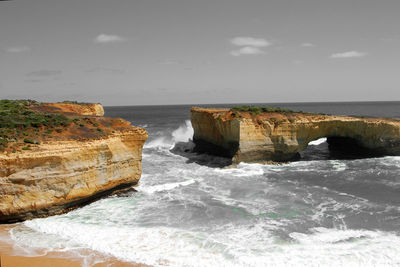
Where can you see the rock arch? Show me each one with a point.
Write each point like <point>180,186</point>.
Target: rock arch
<point>281,136</point>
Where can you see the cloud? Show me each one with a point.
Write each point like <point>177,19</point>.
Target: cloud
<point>169,61</point>
<point>349,54</point>
<point>247,50</point>
<point>34,80</point>
<point>248,46</point>
<point>44,73</point>
<point>308,45</point>
<point>250,41</point>
<point>106,38</point>
<point>107,70</point>
<point>18,49</point>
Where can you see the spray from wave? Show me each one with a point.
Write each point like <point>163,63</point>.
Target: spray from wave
<point>317,212</point>
<point>183,134</point>
<point>318,141</point>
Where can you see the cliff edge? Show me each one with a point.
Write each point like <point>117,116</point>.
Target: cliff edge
<point>264,135</point>
<point>51,161</point>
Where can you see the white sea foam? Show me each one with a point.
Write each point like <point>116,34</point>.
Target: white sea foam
<point>163,187</point>
<point>231,245</point>
<point>159,142</point>
<point>317,142</point>
<point>244,169</point>
<point>338,165</point>
<point>183,133</point>
<point>187,214</point>
<point>154,246</point>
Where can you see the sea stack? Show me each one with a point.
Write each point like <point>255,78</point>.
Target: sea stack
<point>57,156</point>
<point>252,134</point>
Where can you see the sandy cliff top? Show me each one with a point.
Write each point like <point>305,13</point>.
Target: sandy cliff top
<point>24,125</point>
<point>227,114</point>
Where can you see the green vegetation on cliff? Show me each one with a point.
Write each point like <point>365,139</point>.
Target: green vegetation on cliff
<point>17,121</point>
<point>28,121</point>
<point>15,114</point>
<point>259,110</point>
<point>75,102</point>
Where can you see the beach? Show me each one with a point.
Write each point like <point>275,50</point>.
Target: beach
<point>186,210</point>
<point>12,255</point>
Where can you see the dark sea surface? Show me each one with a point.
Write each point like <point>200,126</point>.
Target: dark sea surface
<point>316,211</point>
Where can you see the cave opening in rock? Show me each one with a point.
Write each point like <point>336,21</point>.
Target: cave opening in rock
<point>336,147</point>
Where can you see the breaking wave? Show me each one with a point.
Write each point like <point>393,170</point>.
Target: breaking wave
<point>188,211</point>
<point>183,134</point>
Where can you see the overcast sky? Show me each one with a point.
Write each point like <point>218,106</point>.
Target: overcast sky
<point>136,52</point>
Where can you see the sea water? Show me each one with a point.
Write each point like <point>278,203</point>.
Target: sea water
<point>190,211</point>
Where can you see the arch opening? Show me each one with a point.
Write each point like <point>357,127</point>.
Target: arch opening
<point>337,147</point>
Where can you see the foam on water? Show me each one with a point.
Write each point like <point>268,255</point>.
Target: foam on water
<point>163,187</point>
<point>230,245</point>
<point>305,213</point>
<point>184,133</point>
<point>244,169</point>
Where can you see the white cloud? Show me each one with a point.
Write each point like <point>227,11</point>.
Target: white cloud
<point>106,38</point>
<point>248,46</point>
<point>308,45</point>
<point>18,49</point>
<point>247,50</point>
<point>44,73</point>
<point>105,70</point>
<point>349,54</point>
<point>250,41</point>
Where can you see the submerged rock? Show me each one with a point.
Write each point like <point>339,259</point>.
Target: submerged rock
<point>247,136</point>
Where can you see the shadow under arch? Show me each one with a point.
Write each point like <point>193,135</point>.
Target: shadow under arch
<point>187,150</point>
<point>326,148</point>
<point>337,147</point>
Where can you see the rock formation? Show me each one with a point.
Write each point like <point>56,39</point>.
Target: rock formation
<point>84,109</point>
<point>280,136</point>
<point>72,166</point>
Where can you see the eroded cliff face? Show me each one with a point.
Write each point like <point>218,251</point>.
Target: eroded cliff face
<point>69,108</point>
<point>277,136</point>
<point>70,169</point>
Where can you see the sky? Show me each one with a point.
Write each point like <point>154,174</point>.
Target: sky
<point>152,52</point>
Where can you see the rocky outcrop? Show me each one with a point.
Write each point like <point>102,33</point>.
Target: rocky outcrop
<point>69,170</point>
<point>279,136</point>
<point>84,109</point>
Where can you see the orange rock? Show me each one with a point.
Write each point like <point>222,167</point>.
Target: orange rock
<point>279,136</point>
<point>57,175</point>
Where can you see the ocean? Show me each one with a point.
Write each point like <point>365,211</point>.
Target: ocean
<point>188,211</point>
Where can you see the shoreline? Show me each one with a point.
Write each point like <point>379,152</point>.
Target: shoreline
<point>12,255</point>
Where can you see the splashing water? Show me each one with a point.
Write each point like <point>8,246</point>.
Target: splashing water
<point>183,134</point>
<point>307,213</point>
<point>318,141</point>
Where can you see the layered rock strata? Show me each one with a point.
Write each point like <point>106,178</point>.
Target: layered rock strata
<point>280,136</point>
<point>85,109</point>
<point>70,169</point>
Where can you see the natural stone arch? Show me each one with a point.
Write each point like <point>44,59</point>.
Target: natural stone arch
<point>281,136</point>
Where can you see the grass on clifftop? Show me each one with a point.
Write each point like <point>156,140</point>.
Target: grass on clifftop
<point>259,110</point>
<point>75,102</point>
<point>15,114</point>
<point>17,121</point>
<point>20,124</point>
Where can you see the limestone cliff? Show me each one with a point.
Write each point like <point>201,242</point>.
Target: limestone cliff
<point>279,136</point>
<point>69,167</point>
<point>84,109</point>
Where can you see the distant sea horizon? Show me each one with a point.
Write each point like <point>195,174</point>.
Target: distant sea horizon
<point>256,103</point>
